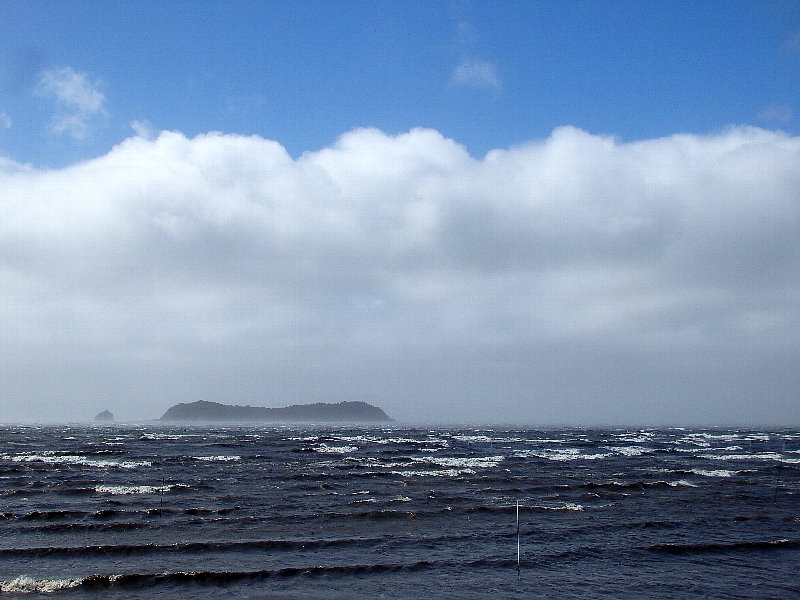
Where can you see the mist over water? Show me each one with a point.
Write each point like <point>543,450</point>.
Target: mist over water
<point>256,511</point>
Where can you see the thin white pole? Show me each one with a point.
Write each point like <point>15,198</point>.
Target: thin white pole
<point>517,539</point>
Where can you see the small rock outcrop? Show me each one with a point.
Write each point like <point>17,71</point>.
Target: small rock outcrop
<point>105,417</point>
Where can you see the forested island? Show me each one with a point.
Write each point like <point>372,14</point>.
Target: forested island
<point>320,412</point>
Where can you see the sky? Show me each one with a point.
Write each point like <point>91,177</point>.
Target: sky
<point>535,213</point>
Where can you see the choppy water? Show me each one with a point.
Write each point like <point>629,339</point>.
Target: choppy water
<point>241,512</point>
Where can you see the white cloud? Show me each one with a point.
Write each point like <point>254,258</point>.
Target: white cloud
<point>143,129</point>
<point>5,121</point>
<point>793,42</point>
<point>79,100</point>
<point>545,277</point>
<point>475,73</point>
<point>776,112</point>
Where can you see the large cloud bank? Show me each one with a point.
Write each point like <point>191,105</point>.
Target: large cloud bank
<point>574,279</point>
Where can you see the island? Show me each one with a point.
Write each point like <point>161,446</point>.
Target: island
<point>320,412</point>
<point>105,417</point>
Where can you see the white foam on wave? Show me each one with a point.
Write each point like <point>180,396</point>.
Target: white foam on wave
<point>483,462</point>
<point>363,500</point>
<point>437,473</point>
<point>452,466</point>
<point>27,585</point>
<point>164,436</point>
<point>369,461</point>
<point>628,450</point>
<point>713,473</point>
<point>371,439</point>
<point>71,459</point>
<point>760,437</point>
<point>560,454</point>
<point>429,441</point>
<point>635,438</point>
<point>217,458</point>
<point>705,439</point>
<point>362,439</point>
<point>119,490</point>
<point>681,483</point>
<point>567,506</point>
<point>748,456</point>
<point>325,449</point>
<point>473,438</point>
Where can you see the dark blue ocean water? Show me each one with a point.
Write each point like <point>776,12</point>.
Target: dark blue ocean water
<point>300,512</point>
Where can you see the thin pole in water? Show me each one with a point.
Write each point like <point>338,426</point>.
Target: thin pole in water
<point>517,539</point>
<point>778,478</point>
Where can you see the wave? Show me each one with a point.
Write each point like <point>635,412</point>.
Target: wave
<point>636,485</point>
<point>117,490</point>
<point>511,507</point>
<point>713,472</point>
<point>748,456</point>
<point>25,584</point>
<point>782,544</point>
<point>129,581</point>
<point>326,449</point>
<point>560,454</point>
<point>72,459</point>
<point>424,466</point>
<point>482,462</point>
<point>52,515</point>
<point>187,548</point>
<point>57,527</point>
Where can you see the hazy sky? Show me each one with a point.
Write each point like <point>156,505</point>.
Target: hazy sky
<point>490,212</point>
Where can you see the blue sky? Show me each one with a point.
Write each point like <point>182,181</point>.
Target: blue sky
<point>475,212</point>
<point>304,73</point>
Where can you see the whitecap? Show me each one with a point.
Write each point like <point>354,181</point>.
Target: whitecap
<point>439,473</point>
<point>628,450</point>
<point>749,456</point>
<point>567,506</point>
<point>69,459</point>
<point>217,458</point>
<point>560,454</point>
<point>472,438</point>
<point>325,449</point>
<point>165,436</point>
<point>27,585</point>
<point>118,490</point>
<point>714,473</point>
<point>483,462</point>
<point>377,463</point>
<point>635,438</point>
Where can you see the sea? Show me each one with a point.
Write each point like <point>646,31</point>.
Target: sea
<point>157,511</point>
